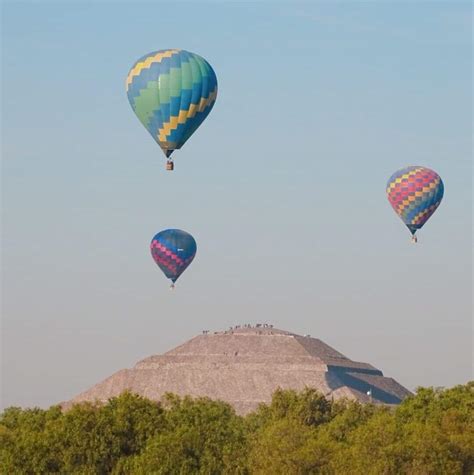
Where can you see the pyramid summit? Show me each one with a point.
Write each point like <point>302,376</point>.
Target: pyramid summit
<point>244,365</point>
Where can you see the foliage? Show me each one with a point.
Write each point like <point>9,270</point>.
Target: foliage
<point>201,436</point>
<point>431,432</point>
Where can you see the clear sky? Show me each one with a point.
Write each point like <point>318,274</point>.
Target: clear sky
<point>283,186</point>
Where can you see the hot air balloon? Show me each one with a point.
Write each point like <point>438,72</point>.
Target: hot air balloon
<point>173,250</point>
<point>171,91</point>
<point>415,193</point>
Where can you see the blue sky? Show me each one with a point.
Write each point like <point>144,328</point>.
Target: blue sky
<point>283,186</point>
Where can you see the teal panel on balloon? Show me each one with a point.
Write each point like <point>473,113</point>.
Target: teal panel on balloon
<point>171,92</point>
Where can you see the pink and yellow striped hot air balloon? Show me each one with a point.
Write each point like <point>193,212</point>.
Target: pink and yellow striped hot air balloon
<point>415,193</point>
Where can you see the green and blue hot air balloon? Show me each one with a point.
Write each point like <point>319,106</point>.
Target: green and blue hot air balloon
<point>171,91</point>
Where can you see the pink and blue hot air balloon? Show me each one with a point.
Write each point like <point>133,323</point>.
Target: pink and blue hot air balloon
<point>173,250</point>
<point>415,193</point>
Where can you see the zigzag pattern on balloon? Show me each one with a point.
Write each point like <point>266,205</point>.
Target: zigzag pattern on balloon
<point>146,62</point>
<point>165,133</point>
<point>162,262</point>
<point>415,193</point>
<point>157,247</point>
<point>173,250</point>
<point>421,218</point>
<point>168,261</point>
<point>171,92</point>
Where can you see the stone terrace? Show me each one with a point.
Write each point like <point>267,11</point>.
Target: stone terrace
<point>244,365</point>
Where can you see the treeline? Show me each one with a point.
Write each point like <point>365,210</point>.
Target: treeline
<point>297,433</point>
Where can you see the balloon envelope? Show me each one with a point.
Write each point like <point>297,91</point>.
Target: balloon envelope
<point>415,193</point>
<point>171,92</point>
<point>173,250</point>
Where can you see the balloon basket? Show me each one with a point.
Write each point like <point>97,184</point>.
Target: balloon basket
<point>172,287</point>
<point>170,165</point>
<point>414,239</point>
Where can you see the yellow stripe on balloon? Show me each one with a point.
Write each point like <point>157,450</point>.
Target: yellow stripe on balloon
<point>184,115</point>
<point>137,69</point>
<point>206,102</point>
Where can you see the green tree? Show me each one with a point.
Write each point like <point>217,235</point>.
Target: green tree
<point>202,436</point>
<point>96,437</point>
<point>288,446</point>
<point>309,407</point>
<point>298,433</point>
<point>30,441</point>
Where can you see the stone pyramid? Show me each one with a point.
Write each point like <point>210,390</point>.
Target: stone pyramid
<point>245,365</point>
